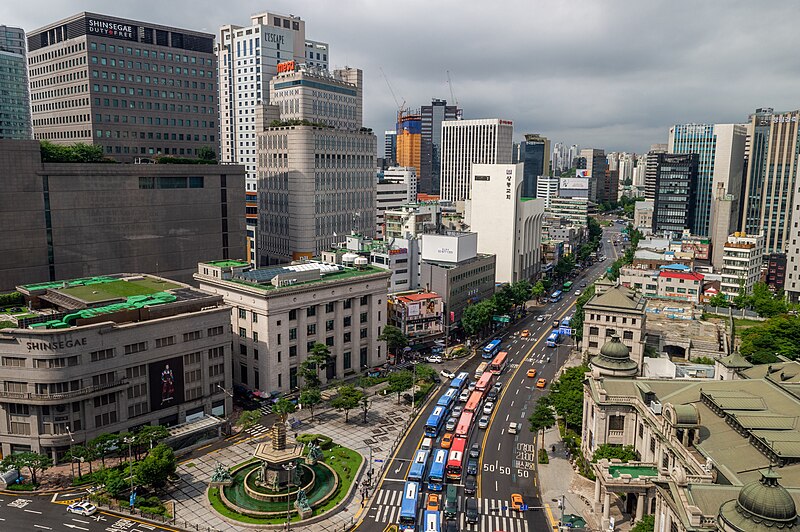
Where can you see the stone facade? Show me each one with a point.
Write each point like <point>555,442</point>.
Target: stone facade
<point>615,310</point>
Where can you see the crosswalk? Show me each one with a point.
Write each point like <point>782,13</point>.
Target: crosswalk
<point>257,430</point>
<point>266,409</point>
<point>492,516</point>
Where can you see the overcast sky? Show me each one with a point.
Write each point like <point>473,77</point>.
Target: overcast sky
<point>604,74</point>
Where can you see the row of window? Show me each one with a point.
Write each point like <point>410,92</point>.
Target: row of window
<point>138,91</point>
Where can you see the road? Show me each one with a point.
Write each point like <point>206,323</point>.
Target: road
<point>42,513</point>
<point>507,461</point>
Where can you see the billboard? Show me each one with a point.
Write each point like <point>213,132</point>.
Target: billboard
<point>449,248</point>
<point>574,183</point>
<point>165,379</point>
<point>580,172</point>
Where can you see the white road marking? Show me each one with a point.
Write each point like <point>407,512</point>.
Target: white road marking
<point>498,446</point>
<point>79,521</point>
<point>42,526</point>
<point>32,511</point>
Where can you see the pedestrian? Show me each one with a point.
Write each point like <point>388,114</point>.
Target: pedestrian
<point>362,501</point>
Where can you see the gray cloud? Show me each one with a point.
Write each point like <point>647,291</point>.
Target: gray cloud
<point>610,74</point>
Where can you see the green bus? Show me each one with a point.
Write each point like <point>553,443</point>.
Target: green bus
<point>567,286</point>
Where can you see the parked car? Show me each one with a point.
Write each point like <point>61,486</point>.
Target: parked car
<point>447,374</point>
<point>488,407</point>
<point>82,508</point>
<point>472,466</point>
<point>475,450</point>
<point>483,422</point>
<point>513,427</point>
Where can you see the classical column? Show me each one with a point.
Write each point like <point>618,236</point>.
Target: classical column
<point>606,507</point>
<point>597,490</point>
<point>640,502</point>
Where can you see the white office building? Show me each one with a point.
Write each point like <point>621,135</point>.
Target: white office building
<point>508,225</point>
<point>742,258</point>
<point>546,189</point>
<point>468,142</point>
<point>397,187</point>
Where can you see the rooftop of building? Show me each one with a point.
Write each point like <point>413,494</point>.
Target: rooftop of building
<point>120,298</point>
<point>424,296</point>
<point>689,276</point>
<point>617,299</point>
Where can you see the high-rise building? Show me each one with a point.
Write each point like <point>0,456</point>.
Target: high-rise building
<point>70,220</point>
<point>743,255</point>
<point>468,142</point>
<point>546,189</point>
<point>409,139</point>
<point>431,148</point>
<point>650,168</point>
<point>534,153</point>
<point>15,113</point>
<point>315,181</point>
<point>396,188</point>
<point>720,148</point>
<point>248,58</point>
<point>166,103</point>
<point>596,166</point>
<point>573,153</point>
<point>675,190</point>
<point>390,148</point>
<point>771,183</point>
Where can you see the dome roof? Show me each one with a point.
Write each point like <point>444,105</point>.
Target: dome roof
<point>761,503</point>
<point>615,349</point>
<point>614,359</point>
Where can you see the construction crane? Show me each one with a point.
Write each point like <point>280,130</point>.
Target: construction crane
<point>453,94</point>
<point>400,106</point>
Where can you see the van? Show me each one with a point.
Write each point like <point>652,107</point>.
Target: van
<point>427,444</point>
<point>471,510</point>
<point>451,502</point>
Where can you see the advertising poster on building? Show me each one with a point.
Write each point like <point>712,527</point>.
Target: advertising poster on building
<point>580,172</point>
<point>166,383</point>
<point>574,183</point>
<point>413,310</point>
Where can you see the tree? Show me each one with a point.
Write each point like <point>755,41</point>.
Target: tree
<point>741,300</point>
<point>400,381</point>
<point>35,463</point>
<point>394,338</point>
<point>607,451</point>
<point>309,398</point>
<point>542,417</point>
<point>115,482</point>
<point>366,404</point>
<point>282,408</point>
<point>566,395</point>
<point>425,372</point>
<point>318,358</point>
<point>578,316</point>
<point>148,436</point>
<point>75,153</point>
<point>248,419</point>
<point>719,300</point>
<point>80,454</point>
<point>104,445</point>
<point>646,524</point>
<point>762,343</point>
<point>521,292</point>
<point>156,467</point>
<point>595,230</point>
<point>538,290</point>
<point>206,153</point>
<point>347,398</point>
<point>766,303</point>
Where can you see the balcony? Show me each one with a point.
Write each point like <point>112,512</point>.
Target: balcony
<point>44,398</point>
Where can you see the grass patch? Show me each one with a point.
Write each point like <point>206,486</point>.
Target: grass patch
<point>6,324</point>
<point>117,289</point>
<point>543,458</point>
<point>739,323</point>
<point>22,487</point>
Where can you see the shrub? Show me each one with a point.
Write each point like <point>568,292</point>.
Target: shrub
<point>324,442</point>
<point>11,298</point>
<point>543,458</point>
<point>22,487</point>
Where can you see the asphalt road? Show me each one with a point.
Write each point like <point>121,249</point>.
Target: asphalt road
<point>507,462</point>
<point>42,513</point>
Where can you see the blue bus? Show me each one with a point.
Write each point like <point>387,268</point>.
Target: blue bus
<point>436,474</point>
<point>409,506</point>
<point>435,421</point>
<point>555,296</point>
<point>566,321</point>
<point>460,382</point>
<point>448,398</point>
<point>418,466</point>
<point>552,340</point>
<point>491,349</point>
<point>431,521</point>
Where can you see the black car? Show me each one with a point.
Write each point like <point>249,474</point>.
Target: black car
<point>471,509</point>
<point>470,485</point>
<point>475,450</point>
<point>492,395</point>
<point>450,526</point>
<point>472,466</point>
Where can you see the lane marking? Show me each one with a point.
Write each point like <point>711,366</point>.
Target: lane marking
<point>32,511</point>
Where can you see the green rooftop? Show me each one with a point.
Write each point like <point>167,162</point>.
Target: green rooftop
<point>227,263</point>
<point>341,275</point>
<point>633,471</point>
<point>92,293</point>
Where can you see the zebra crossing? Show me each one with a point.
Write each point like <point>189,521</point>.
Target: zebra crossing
<point>257,430</point>
<point>386,510</point>
<point>266,409</point>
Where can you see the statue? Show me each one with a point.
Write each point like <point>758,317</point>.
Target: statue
<point>221,474</point>
<point>314,454</point>
<point>302,505</point>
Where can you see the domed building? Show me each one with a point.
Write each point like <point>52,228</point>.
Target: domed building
<point>614,360</point>
<point>762,505</point>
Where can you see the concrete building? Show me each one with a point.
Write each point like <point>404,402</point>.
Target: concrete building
<point>682,286</point>
<point>409,139</point>
<point>413,220</point>
<point>547,189</point>
<point>534,154</point>
<point>390,148</point>
<point>771,180</point>
<point>508,224</point>
<point>643,216</point>
<point>89,361</point>
<point>775,271</point>
<point>397,187</point>
<point>724,221</point>
<point>468,142</point>
<point>419,315</point>
<point>651,168</point>
<point>452,267</point>
<point>15,117</point>
<point>614,311</point>
<point>720,149</point>
<point>573,153</point>
<point>70,220</point>
<point>431,148</point>
<point>742,258</point>
<point>596,166</point>
<point>573,210</point>
<point>579,186</point>
<point>675,191</point>
<point>279,313</point>
<point>165,105</point>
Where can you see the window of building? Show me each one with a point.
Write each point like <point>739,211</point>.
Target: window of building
<point>215,331</point>
<point>363,317</point>
<point>293,314</point>
<point>363,333</point>
<point>346,321</point>
<point>243,374</point>
<point>329,325</point>
<point>347,337</point>
<point>293,333</point>
<point>216,352</point>
<point>14,362</point>
<point>346,358</point>
<point>364,300</point>
<point>242,332</point>
<point>363,357</point>
<point>329,307</point>
<point>292,350</point>
<point>594,331</point>
<point>192,358</point>
<point>138,347</point>
<point>107,418</point>
<point>311,311</point>
<point>616,423</point>
<point>627,335</point>
<point>242,314</point>
<point>163,342</point>
<point>311,329</point>
<point>348,303</point>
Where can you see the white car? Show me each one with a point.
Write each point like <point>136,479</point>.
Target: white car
<point>513,427</point>
<point>82,508</point>
<point>483,422</point>
<point>577,292</point>
<point>434,359</point>
<point>447,374</point>
<point>540,319</point>
<point>472,385</point>
<point>457,410</point>
<point>488,407</point>
<point>464,397</point>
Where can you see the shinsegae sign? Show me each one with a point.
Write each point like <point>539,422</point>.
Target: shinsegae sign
<point>115,30</point>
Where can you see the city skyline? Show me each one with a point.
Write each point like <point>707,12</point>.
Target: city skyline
<point>595,84</point>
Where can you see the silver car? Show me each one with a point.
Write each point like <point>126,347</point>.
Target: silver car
<point>451,424</point>
<point>483,422</point>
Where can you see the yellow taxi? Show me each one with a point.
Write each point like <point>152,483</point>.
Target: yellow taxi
<point>532,373</point>
<point>525,333</point>
<point>432,504</point>
<point>541,383</point>
<point>447,440</point>
<point>516,502</point>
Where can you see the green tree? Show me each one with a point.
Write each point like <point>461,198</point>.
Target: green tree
<point>400,381</point>
<point>394,338</point>
<point>595,230</point>
<point>149,436</point>
<point>35,463</point>
<point>248,419</point>
<point>542,417</point>
<point>521,292</point>
<point>346,399</point>
<point>767,304</point>
<point>104,445</point>
<point>282,408</point>
<point>425,373</point>
<point>566,396</point>
<point>578,316</point>
<point>75,153</point>
<point>156,467</point>
<point>564,266</point>
<point>309,398</point>
<point>318,358</point>
<point>366,404</point>
<point>115,483</point>
<point>646,524</point>
<point>538,290</point>
<point>762,344</point>
<point>741,300</point>
<point>80,454</point>
<point>719,300</point>
<point>607,451</point>
<point>206,153</point>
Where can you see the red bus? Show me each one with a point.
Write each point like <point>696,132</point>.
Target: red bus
<point>455,460</point>
<point>499,363</point>
<point>464,425</point>
<point>485,382</point>
<point>474,402</point>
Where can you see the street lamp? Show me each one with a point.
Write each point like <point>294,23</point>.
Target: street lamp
<point>290,467</point>
<point>129,441</point>
<point>71,458</point>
